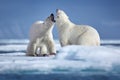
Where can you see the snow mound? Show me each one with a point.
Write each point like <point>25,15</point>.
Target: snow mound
<point>69,59</point>
<point>95,56</point>
<point>88,52</point>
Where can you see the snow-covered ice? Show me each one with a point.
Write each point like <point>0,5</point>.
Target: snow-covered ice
<point>70,59</point>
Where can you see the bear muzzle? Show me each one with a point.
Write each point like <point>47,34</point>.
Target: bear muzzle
<point>52,17</point>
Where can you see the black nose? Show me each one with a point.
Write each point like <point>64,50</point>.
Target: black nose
<point>52,17</point>
<point>52,14</point>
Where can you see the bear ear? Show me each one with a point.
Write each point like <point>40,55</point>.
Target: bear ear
<point>57,10</point>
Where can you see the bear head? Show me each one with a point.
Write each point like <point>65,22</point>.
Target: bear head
<point>61,16</point>
<point>50,20</point>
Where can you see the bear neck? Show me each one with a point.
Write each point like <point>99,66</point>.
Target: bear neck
<point>48,28</point>
<point>65,22</point>
<point>64,27</point>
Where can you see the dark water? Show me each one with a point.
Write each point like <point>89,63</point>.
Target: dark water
<point>58,77</point>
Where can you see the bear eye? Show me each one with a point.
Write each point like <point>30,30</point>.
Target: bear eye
<point>57,16</point>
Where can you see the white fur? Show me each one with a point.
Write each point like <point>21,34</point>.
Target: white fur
<point>41,38</point>
<point>72,34</point>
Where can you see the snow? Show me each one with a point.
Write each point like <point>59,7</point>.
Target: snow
<point>69,59</point>
<point>92,57</point>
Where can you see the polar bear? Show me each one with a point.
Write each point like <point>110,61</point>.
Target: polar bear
<point>72,34</point>
<point>41,38</point>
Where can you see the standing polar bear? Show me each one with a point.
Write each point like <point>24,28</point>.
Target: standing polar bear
<point>72,34</point>
<point>41,38</point>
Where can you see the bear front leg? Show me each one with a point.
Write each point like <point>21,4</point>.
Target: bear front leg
<point>51,47</point>
<point>30,49</point>
<point>36,50</point>
<point>43,51</point>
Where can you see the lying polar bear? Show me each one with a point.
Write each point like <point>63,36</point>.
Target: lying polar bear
<point>41,38</point>
<point>72,34</point>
